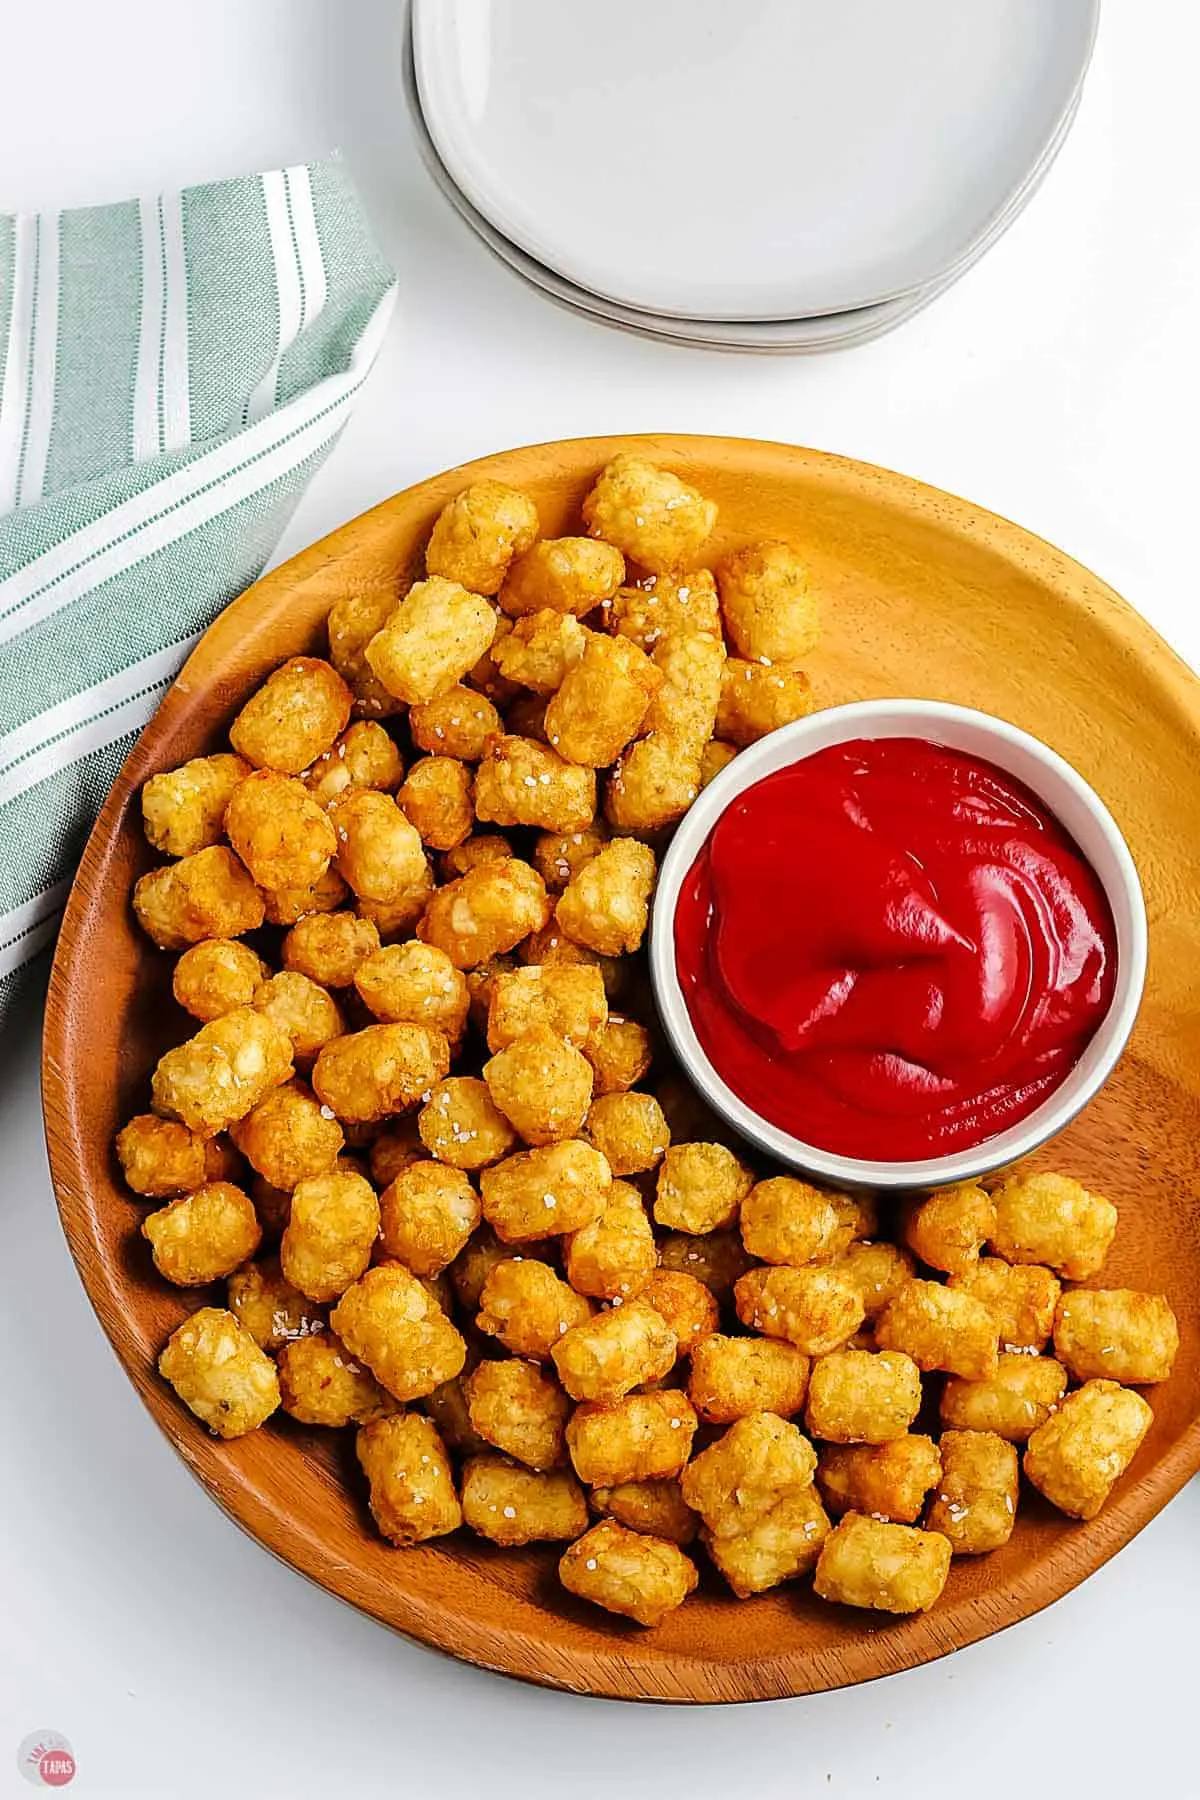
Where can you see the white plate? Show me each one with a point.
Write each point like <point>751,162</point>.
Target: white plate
<point>747,159</point>
<point>792,336</point>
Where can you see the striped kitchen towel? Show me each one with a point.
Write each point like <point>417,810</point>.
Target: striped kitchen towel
<point>173,371</point>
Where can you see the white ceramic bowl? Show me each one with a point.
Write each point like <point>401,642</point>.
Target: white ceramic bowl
<point>1078,809</point>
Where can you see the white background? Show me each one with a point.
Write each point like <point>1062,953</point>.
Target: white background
<point>1057,384</point>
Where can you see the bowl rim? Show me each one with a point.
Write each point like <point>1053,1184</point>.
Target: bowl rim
<point>901,717</point>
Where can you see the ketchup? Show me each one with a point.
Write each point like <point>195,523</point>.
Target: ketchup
<point>892,950</point>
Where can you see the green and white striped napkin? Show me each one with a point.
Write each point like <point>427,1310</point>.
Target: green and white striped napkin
<point>173,371</point>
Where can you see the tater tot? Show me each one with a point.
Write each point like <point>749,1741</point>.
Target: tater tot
<point>666,605</point>
<point>602,702</point>
<point>353,621</point>
<point>458,722</point>
<point>379,852</point>
<point>526,1307</point>
<point>329,1235</point>
<point>539,650</point>
<point>220,1373</point>
<point>380,1070</point>
<point>511,1505</point>
<point>321,1384</point>
<point>486,913</point>
<point>310,1016</point>
<point>269,1307</point>
<point>620,1052</point>
<point>737,1481</point>
<point>184,810</point>
<point>471,1268</point>
<point>551,948</point>
<point>686,1304</point>
<point>566,575</point>
<point>284,906</point>
<point>1020,1396</point>
<point>160,1158</point>
<point>568,1001</point>
<point>700,1188</point>
<point>364,756</point>
<point>218,1075</point>
<point>396,920</point>
<point>878,1271</point>
<point>480,847</point>
<point>656,780</point>
<point>559,855</point>
<point>281,834</point>
<point>643,1437</point>
<point>414,984</point>
<point>816,1309</point>
<point>396,1148</point>
<point>940,1328</point>
<point>436,798</point>
<point>732,1377</point>
<point>1112,1332</point>
<point>713,758</point>
<point>223,1161</point>
<point>520,1409</point>
<point>477,534</point>
<point>656,1508</point>
<point>975,1500</point>
<point>544,1192</point>
<point>203,1235</point>
<point>525,716</point>
<point>862,1396</point>
<point>520,782</point>
<point>1053,1220</point>
<point>460,1124</point>
<point>296,714</point>
<point>888,1480</point>
<point>480,983</point>
<point>651,786</point>
<point>484,677</point>
<point>782,1546</point>
<point>949,1229</point>
<point>643,1578</point>
<point>542,1085</point>
<point>426,1216</point>
<point>649,513</point>
<point>606,1356</point>
<point>288,1137</point>
<point>1021,1298</point>
<point>606,905</point>
<point>1076,1457</point>
<point>447,1407</point>
<point>718,1259</point>
<point>785,1220</point>
<point>769,608</point>
<point>614,1257</point>
<point>208,895</point>
<point>886,1568</point>
<point>411,1483</point>
<point>328,947</point>
<point>435,636</point>
<point>757,698</point>
<point>630,1130</point>
<point>389,1320</point>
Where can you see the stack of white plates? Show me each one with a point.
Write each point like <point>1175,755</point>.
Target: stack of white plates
<point>745,174</point>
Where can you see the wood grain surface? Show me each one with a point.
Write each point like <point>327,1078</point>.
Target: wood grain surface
<point>924,596</point>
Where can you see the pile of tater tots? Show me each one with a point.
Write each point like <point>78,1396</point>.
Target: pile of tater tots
<point>460,1201</point>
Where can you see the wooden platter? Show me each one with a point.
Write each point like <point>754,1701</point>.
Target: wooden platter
<point>926,596</point>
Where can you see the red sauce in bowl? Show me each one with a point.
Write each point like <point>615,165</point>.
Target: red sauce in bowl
<point>892,950</point>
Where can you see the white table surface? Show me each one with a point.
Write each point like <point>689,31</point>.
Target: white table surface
<point>1058,384</point>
